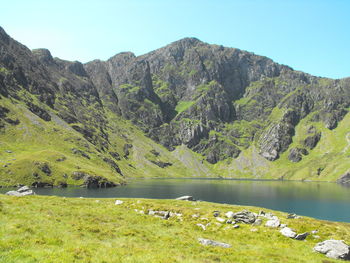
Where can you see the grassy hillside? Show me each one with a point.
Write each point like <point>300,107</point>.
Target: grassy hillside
<point>55,229</point>
<point>326,162</point>
<point>33,144</point>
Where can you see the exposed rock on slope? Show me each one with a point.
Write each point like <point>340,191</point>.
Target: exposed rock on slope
<point>219,102</point>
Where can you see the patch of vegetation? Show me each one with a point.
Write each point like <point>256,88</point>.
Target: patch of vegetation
<point>183,106</point>
<point>55,229</point>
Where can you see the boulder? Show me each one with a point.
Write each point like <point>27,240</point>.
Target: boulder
<point>229,214</point>
<point>23,191</point>
<point>336,249</point>
<point>301,236</point>
<point>286,231</point>
<point>186,198</point>
<point>118,202</point>
<point>273,223</point>
<point>244,217</point>
<point>208,242</point>
<point>257,222</point>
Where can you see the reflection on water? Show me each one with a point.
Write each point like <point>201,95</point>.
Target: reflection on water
<point>320,200</point>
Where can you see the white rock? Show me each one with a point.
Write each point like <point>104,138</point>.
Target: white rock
<point>333,249</point>
<point>118,202</point>
<point>186,198</point>
<point>273,223</point>
<point>208,242</point>
<point>220,219</point>
<point>286,231</point>
<point>23,189</point>
<point>229,214</point>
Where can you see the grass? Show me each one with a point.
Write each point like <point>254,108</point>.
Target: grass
<point>56,229</point>
<point>183,105</point>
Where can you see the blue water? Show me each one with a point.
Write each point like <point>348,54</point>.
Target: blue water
<point>327,201</point>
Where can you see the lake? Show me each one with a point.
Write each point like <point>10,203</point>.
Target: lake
<point>327,201</point>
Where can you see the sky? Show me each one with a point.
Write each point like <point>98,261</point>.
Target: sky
<point>309,35</point>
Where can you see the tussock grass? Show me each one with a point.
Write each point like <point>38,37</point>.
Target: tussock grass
<point>56,229</point>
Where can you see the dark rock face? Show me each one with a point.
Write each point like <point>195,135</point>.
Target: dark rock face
<point>113,165</point>
<point>126,148</point>
<point>296,154</point>
<point>97,182</point>
<point>311,141</point>
<point>39,111</point>
<point>91,181</point>
<point>344,179</point>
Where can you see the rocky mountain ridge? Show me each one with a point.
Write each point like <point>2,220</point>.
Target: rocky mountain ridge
<point>225,106</point>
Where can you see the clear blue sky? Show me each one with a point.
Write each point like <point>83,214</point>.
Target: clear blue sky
<point>308,35</point>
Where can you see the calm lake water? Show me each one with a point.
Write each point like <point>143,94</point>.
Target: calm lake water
<point>327,201</point>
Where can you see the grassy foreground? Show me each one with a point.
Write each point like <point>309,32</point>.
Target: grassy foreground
<point>56,229</point>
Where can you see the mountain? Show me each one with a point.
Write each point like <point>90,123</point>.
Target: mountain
<point>187,109</point>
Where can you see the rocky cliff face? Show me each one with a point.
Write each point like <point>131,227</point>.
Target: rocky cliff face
<point>217,101</point>
<point>192,93</point>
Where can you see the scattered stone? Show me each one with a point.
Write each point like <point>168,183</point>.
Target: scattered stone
<point>244,217</point>
<point>316,237</point>
<point>220,219</point>
<point>336,249</point>
<point>301,236</point>
<point>283,225</point>
<point>195,216</point>
<point>314,231</point>
<point>216,213</point>
<point>257,222</point>
<point>253,229</point>
<point>235,226</point>
<point>118,202</point>
<point>208,242</point>
<point>292,216</point>
<point>229,221</point>
<point>23,191</point>
<point>8,151</point>
<point>186,198</point>
<point>288,232</point>
<point>229,214</point>
<point>273,223</point>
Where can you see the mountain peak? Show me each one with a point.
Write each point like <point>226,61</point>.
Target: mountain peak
<point>43,54</point>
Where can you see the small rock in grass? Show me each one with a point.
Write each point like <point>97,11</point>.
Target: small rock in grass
<point>208,242</point>
<point>235,226</point>
<point>253,229</point>
<point>118,202</point>
<point>186,198</point>
<point>301,236</point>
<point>221,220</point>
<point>216,213</point>
<point>273,223</point>
<point>292,216</point>
<point>286,231</point>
